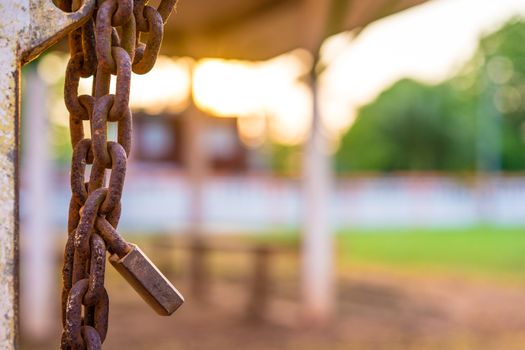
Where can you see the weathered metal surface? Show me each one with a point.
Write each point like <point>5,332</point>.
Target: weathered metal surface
<point>46,24</point>
<point>25,31</point>
<point>97,49</point>
<point>148,281</point>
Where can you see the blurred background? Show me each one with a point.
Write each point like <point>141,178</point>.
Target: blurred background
<point>310,174</point>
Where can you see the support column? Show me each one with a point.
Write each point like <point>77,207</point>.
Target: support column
<point>9,108</point>
<point>317,251</point>
<point>317,246</point>
<point>27,28</point>
<point>12,26</point>
<point>195,163</point>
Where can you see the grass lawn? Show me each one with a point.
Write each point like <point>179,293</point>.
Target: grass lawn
<point>485,251</point>
<point>480,250</point>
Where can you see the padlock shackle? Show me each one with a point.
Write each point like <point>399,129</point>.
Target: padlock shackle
<point>116,244</point>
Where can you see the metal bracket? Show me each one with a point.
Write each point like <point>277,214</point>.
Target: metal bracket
<point>27,28</point>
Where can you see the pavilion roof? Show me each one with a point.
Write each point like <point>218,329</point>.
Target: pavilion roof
<point>261,29</point>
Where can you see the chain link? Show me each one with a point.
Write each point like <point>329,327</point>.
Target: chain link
<point>108,44</point>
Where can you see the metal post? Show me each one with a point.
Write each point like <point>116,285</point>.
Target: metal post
<point>9,107</point>
<point>27,28</point>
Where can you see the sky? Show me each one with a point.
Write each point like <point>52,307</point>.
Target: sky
<point>429,42</point>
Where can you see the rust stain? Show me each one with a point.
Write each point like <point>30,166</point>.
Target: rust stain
<point>27,28</point>
<point>40,35</point>
<point>9,29</point>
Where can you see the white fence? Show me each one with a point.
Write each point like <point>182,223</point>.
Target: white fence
<point>158,202</point>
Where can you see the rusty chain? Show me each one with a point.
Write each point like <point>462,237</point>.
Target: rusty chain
<point>108,44</point>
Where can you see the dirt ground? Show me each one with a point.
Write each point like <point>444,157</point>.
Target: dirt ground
<point>376,310</point>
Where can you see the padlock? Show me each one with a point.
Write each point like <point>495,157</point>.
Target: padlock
<point>148,281</point>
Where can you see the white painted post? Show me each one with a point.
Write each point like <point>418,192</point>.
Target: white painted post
<point>38,281</point>
<point>317,250</point>
<point>195,162</point>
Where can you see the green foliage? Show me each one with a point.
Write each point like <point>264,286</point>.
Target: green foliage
<point>474,120</point>
<point>59,131</point>
<point>284,159</point>
<point>409,127</point>
<point>61,144</point>
<point>503,76</point>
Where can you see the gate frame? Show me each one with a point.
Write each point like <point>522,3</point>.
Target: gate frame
<point>27,28</point>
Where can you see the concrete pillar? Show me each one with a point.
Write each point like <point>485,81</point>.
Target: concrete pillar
<point>317,251</point>
<point>195,163</point>
<point>317,246</point>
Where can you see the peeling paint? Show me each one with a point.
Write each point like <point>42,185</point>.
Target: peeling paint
<point>40,35</point>
<point>27,28</point>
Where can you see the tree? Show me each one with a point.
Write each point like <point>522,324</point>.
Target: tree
<point>410,126</point>
<point>474,120</point>
<point>499,68</point>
